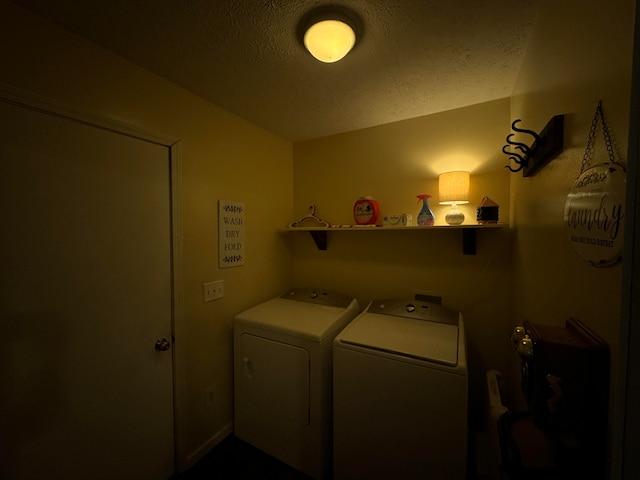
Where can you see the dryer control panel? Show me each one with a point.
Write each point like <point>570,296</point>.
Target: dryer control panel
<point>318,296</point>
<point>415,309</point>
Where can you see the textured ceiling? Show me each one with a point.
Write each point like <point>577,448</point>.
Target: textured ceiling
<point>412,58</point>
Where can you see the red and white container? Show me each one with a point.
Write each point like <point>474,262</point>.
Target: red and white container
<point>366,211</point>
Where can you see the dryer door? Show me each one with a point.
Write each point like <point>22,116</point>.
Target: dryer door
<point>274,379</point>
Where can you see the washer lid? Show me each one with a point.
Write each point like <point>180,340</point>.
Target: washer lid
<point>304,319</point>
<point>409,337</point>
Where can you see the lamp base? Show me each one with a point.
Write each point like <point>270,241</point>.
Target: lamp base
<point>454,216</point>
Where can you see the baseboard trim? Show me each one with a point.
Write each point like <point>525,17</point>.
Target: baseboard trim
<point>209,445</point>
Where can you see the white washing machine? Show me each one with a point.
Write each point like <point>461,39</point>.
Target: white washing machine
<point>400,393</point>
<point>283,375</point>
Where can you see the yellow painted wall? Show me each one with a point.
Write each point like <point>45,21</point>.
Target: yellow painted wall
<point>580,52</point>
<point>393,163</point>
<point>223,157</point>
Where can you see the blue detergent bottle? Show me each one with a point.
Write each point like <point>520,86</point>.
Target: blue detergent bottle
<point>425,217</point>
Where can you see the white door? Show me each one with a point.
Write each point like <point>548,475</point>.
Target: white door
<point>85,292</point>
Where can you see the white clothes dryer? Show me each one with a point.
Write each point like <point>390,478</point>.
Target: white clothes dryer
<point>400,393</point>
<point>283,375</point>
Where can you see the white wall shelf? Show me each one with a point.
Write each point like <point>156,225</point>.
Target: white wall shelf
<point>320,234</point>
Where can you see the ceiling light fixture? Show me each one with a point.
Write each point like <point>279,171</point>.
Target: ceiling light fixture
<point>329,38</point>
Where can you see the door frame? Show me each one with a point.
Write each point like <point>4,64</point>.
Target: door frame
<point>626,422</point>
<point>21,98</point>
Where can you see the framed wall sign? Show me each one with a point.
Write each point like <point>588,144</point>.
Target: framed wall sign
<point>594,213</point>
<point>230,234</point>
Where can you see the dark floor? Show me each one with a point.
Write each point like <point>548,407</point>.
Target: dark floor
<point>235,459</point>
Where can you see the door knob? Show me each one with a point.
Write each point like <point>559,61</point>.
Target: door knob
<point>162,345</point>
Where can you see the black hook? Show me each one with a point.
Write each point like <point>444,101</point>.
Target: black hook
<point>514,170</point>
<point>519,159</point>
<point>546,146</point>
<point>525,149</point>
<point>522,130</point>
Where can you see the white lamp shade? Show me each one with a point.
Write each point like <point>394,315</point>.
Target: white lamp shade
<point>453,188</point>
<point>329,40</point>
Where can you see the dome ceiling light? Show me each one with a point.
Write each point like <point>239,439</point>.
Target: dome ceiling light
<point>329,37</point>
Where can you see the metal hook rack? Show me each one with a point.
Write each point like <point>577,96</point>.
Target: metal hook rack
<point>546,146</point>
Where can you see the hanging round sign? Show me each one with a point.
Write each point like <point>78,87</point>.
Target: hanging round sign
<point>594,213</point>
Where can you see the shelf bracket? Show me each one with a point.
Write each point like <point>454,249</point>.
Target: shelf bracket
<point>320,238</point>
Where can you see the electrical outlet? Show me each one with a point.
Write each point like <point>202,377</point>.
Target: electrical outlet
<point>213,290</point>
<point>210,395</point>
